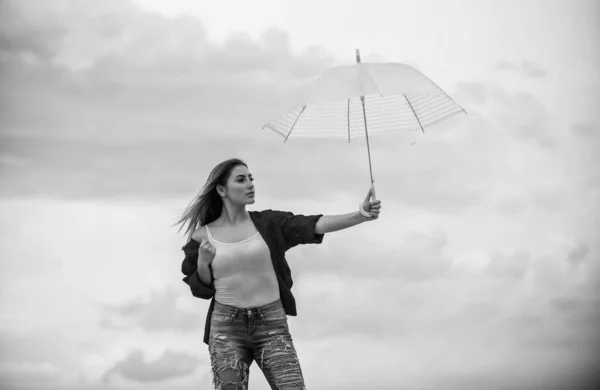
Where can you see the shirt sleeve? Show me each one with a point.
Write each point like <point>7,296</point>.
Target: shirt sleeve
<point>190,269</point>
<point>298,229</point>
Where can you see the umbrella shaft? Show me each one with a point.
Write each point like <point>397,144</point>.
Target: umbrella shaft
<point>362,100</point>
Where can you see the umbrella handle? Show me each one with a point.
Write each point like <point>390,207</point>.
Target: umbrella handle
<point>373,196</point>
<point>360,205</point>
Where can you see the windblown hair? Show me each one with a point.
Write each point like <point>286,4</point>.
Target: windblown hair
<point>207,206</point>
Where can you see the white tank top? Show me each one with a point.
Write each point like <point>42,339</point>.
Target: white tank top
<point>243,272</point>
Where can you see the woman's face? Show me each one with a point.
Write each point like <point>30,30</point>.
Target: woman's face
<point>239,188</point>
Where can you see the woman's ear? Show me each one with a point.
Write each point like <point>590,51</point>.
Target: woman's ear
<point>220,190</point>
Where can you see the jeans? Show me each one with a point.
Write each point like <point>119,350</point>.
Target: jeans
<point>240,336</point>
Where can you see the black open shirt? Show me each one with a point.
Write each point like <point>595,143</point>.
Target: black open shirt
<point>281,230</point>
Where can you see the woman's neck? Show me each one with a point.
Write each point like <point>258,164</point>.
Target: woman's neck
<point>233,215</point>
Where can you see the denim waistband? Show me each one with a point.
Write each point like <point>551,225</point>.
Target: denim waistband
<point>228,310</point>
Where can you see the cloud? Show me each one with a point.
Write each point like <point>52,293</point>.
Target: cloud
<point>582,378</point>
<point>587,130</point>
<point>148,65</point>
<point>153,97</point>
<point>419,261</point>
<point>169,365</point>
<point>508,267</point>
<point>155,105</point>
<point>103,100</point>
<point>511,206</point>
<point>35,375</point>
<point>532,70</point>
<point>423,291</point>
<point>34,358</point>
<point>578,254</point>
<point>520,113</point>
<point>525,116</point>
<point>39,266</point>
<point>25,31</point>
<point>566,304</point>
<point>160,312</point>
<point>472,93</point>
<point>525,68</point>
<point>415,256</point>
<point>335,281</point>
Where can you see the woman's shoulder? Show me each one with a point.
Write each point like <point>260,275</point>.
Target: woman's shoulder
<point>199,234</point>
<point>271,213</point>
<point>271,217</point>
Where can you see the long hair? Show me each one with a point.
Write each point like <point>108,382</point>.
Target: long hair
<point>207,206</point>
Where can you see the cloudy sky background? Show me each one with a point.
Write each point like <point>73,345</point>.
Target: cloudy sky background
<point>482,272</point>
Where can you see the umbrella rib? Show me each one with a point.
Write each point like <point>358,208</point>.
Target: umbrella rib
<point>426,115</point>
<point>294,125</point>
<point>433,104</point>
<point>446,116</point>
<point>275,129</point>
<point>348,120</point>
<point>444,92</point>
<point>413,110</point>
<point>441,113</point>
<point>374,83</point>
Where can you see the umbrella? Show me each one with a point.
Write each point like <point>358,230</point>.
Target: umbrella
<point>365,99</point>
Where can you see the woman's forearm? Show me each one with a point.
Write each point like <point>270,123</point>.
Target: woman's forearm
<point>204,274</point>
<point>332,223</point>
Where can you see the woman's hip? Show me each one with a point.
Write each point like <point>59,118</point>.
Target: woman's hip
<point>251,322</point>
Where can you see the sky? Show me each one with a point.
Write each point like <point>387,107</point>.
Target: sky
<point>483,270</point>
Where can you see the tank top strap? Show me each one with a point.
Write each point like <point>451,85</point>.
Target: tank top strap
<point>210,237</point>
<point>214,241</point>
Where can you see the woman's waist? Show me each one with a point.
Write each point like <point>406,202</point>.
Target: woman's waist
<point>224,309</point>
<point>244,280</point>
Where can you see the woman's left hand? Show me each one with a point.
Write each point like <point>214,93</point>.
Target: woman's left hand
<point>373,207</point>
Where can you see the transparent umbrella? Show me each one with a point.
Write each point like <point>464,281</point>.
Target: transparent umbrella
<point>365,99</point>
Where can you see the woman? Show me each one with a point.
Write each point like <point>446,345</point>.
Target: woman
<point>236,258</point>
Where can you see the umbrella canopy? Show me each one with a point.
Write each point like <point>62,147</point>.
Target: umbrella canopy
<point>397,97</point>
<point>365,99</point>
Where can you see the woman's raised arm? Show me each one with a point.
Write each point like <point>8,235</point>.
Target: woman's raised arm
<point>332,223</point>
